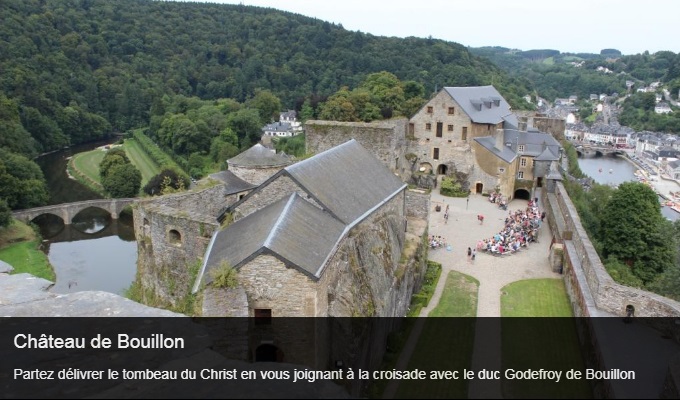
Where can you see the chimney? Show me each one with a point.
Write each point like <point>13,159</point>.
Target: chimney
<point>500,139</point>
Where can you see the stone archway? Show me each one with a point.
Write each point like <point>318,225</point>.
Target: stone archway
<point>268,353</point>
<point>425,168</point>
<point>442,169</point>
<point>522,194</point>
<point>479,188</point>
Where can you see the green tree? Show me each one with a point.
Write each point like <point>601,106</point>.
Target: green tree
<point>155,184</point>
<point>22,184</point>
<point>111,158</point>
<point>635,233</point>
<point>122,180</point>
<point>246,124</point>
<point>267,104</point>
<point>5,214</point>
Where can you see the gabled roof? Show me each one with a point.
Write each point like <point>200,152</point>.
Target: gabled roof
<point>259,156</point>
<point>233,184</point>
<point>278,127</point>
<point>547,155</point>
<point>489,142</point>
<point>534,142</point>
<point>347,180</point>
<point>291,228</point>
<point>483,104</point>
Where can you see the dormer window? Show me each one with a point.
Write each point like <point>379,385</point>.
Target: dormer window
<point>520,148</point>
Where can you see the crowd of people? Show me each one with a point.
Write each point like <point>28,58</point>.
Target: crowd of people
<point>436,242</point>
<point>521,228</point>
<point>497,198</point>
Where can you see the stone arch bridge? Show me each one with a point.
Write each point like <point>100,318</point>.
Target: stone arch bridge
<point>67,211</point>
<point>598,151</point>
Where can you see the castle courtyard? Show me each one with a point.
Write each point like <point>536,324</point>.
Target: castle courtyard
<point>463,230</point>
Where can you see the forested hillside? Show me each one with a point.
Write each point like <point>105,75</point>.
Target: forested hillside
<point>554,74</point>
<point>79,69</point>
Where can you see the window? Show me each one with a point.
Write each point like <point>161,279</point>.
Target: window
<point>428,126</point>
<point>501,170</point>
<point>520,148</point>
<point>263,316</point>
<point>488,127</point>
<point>429,109</point>
<point>440,128</point>
<point>411,129</point>
<point>436,153</point>
<point>452,110</point>
<point>174,237</point>
<point>520,175</point>
<point>449,128</point>
<point>464,136</point>
<point>523,162</point>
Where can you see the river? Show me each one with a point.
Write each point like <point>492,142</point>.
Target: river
<point>96,252</point>
<point>621,171</point>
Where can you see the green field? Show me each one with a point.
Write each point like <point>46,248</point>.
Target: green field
<point>535,298</point>
<point>445,344</point>
<point>87,163</point>
<point>19,247</point>
<point>141,160</point>
<point>459,298</point>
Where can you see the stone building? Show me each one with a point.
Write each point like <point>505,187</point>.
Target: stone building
<point>471,132</point>
<point>322,237</point>
<point>257,164</point>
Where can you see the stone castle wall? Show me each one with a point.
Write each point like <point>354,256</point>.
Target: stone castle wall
<point>417,204</point>
<point>169,243</point>
<point>383,139</point>
<point>590,286</point>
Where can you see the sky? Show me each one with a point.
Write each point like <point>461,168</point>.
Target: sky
<point>573,26</point>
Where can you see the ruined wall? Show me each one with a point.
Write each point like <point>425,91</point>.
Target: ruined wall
<point>590,274</point>
<point>207,202</point>
<point>383,139</point>
<point>417,204</point>
<point>277,189</point>
<point>169,244</point>
<point>255,176</point>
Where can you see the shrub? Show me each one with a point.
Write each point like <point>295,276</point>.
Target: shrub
<point>452,189</point>
<point>224,276</point>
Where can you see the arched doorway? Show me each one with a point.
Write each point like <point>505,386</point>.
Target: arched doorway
<point>522,194</point>
<point>425,168</point>
<point>441,169</point>
<point>268,353</point>
<point>479,188</point>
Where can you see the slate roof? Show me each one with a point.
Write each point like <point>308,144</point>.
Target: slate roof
<point>278,127</point>
<point>347,180</point>
<point>489,143</point>
<point>533,142</point>
<point>259,156</point>
<point>291,228</point>
<point>479,103</point>
<point>233,184</point>
<point>547,155</point>
<point>674,164</point>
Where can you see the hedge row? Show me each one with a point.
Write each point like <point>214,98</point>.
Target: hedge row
<point>161,158</point>
<point>422,298</point>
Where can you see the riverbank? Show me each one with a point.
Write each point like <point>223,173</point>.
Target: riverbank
<point>20,247</point>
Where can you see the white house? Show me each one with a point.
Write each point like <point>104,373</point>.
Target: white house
<point>290,117</point>
<point>662,108</point>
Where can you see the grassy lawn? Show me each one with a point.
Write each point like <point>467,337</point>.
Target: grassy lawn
<point>88,163</point>
<point>535,343</point>
<point>445,344</point>
<point>535,298</point>
<point>141,160</point>
<point>19,247</point>
<point>459,298</point>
